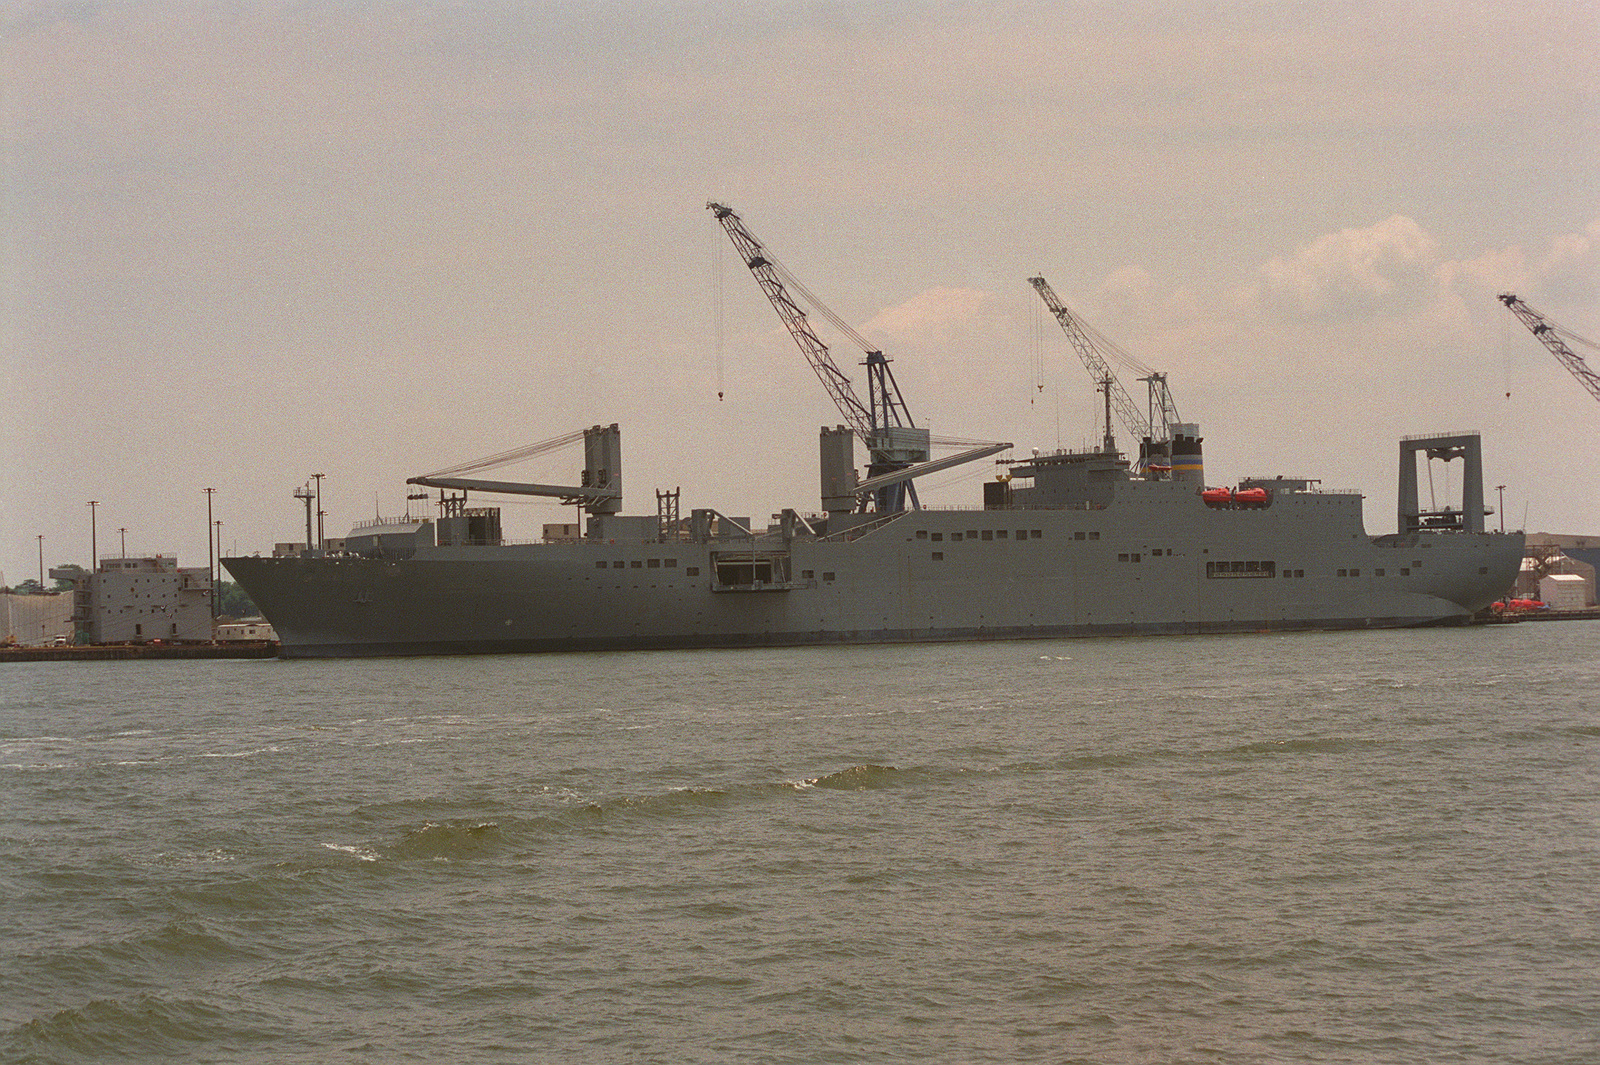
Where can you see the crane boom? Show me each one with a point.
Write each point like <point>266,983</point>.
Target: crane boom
<point>1550,335</point>
<point>1154,425</point>
<point>887,405</point>
<point>883,423</point>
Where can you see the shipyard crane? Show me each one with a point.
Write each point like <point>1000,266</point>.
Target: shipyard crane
<point>894,443</point>
<point>1150,428</point>
<point>1555,338</point>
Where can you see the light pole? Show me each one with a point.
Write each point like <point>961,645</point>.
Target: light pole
<point>216,585</point>
<point>94,542</point>
<point>40,538</point>
<point>211,558</point>
<point>124,533</point>
<point>1502,490</point>
<point>318,478</point>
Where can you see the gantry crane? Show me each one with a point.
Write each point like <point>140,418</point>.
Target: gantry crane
<point>883,423</point>
<point>1555,338</point>
<point>1153,428</point>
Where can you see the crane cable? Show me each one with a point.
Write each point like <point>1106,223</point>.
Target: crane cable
<point>1567,334</point>
<point>717,272</point>
<point>816,304</point>
<point>505,458</point>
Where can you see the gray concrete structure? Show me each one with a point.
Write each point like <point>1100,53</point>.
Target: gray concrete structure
<point>141,600</point>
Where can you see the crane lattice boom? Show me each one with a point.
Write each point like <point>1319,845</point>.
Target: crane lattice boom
<point>1154,425</point>
<point>1551,336</point>
<point>886,406</point>
<point>893,440</point>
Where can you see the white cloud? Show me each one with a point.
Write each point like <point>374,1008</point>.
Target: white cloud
<point>930,318</point>
<point>1385,268</point>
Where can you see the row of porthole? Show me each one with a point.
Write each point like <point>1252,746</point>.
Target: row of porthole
<point>997,534</point>
<point>1136,556</point>
<point>694,571</point>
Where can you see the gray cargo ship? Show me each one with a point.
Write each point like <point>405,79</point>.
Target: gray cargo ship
<point>1069,543</point>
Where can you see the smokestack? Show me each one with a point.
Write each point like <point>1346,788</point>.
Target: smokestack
<point>1187,464</point>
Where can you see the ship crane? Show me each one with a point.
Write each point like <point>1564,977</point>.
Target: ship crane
<point>599,491</point>
<point>894,443</point>
<point>1555,338</point>
<point>1152,428</point>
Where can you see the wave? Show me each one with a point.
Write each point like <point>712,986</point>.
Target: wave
<point>695,800</point>
<point>147,958</point>
<point>144,1025</point>
<point>859,778</point>
<point>1319,745</point>
<point>506,832</point>
<point>666,804</point>
<point>462,838</point>
<point>181,942</point>
<point>451,840</point>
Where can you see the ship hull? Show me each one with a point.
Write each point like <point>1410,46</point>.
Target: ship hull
<point>1155,562</point>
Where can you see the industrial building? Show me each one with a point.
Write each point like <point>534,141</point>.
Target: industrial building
<point>141,600</point>
<point>246,631</point>
<point>1554,555</point>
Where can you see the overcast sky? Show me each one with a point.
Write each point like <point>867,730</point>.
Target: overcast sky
<point>244,243</point>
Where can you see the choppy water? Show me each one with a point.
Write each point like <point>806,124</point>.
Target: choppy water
<point>1362,847</point>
